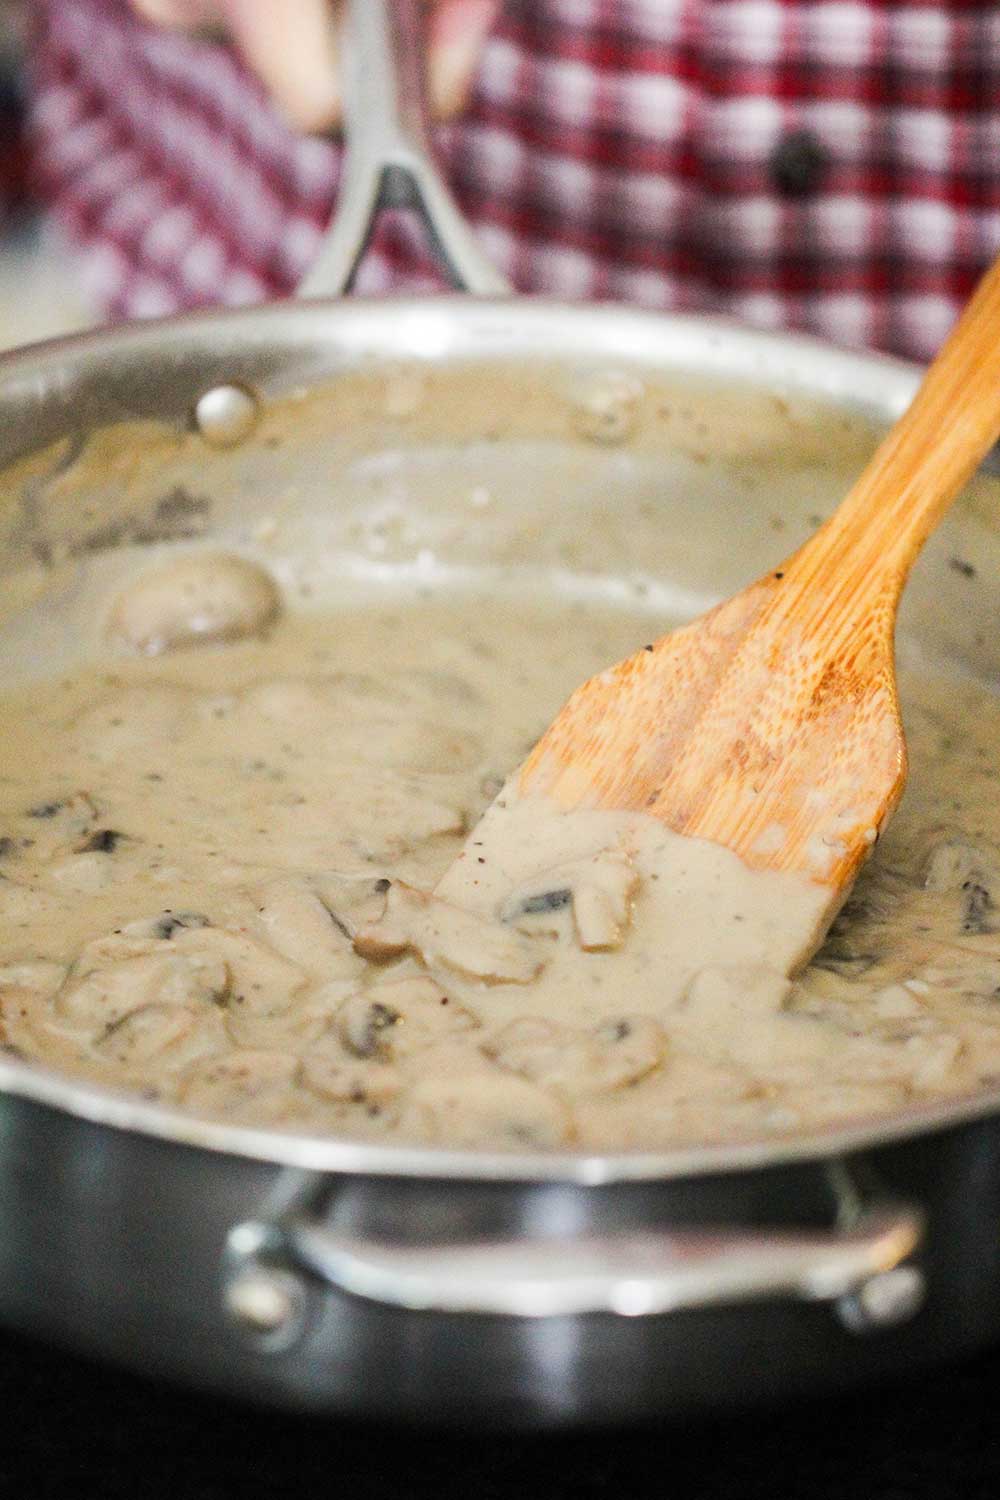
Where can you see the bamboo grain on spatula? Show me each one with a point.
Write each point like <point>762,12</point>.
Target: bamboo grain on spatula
<point>771,725</point>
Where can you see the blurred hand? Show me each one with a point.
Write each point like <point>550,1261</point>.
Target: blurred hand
<point>293,46</point>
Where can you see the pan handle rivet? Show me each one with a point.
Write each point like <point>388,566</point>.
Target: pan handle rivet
<point>884,1301</point>
<point>267,1302</point>
<point>226,414</point>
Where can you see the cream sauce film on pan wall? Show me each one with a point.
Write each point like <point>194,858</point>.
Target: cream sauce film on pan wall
<point>224,826</point>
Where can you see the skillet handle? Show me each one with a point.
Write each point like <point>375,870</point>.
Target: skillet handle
<point>860,1268</point>
<point>389,160</point>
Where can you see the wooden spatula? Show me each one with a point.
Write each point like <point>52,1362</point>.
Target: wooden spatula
<point>771,724</point>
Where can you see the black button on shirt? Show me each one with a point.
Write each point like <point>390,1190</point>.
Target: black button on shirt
<point>798,164</point>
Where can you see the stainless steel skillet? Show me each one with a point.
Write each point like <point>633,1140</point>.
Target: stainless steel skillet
<point>331,1276</point>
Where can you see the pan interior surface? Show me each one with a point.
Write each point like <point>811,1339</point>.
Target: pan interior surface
<point>592,459</point>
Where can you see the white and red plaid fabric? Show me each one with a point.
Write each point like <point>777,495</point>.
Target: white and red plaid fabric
<point>830,165</point>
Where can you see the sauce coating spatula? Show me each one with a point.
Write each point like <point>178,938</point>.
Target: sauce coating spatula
<point>771,724</point>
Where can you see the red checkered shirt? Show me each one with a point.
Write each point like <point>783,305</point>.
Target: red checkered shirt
<point>830,165</point>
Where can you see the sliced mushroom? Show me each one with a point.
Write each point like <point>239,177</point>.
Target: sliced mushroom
<point>261,980</point>
<point>135,940</point>
<point>264,996</point>
<point>56,828</point>
<point>364,1025</point>
<point>352,902</point>
<point>443,934</point>
<point>346,1080</point>
<point>613,1055</point>
<point>951,861</point>
<point>602,899</point>
<point>401,1017</point>
<point>600,890</point>
<point>530,1045</point>
<point>31,1028</point>
<point>295,1028</point>
<point>302,929</point>
<point>488,1109</point>
<point>169,1035</point>
<point>68,846</point>
<point>104,996</point>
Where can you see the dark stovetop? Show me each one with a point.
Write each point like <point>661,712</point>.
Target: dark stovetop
<point>74,1429</point>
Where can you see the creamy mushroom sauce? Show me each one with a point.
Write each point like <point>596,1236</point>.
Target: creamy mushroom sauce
<point>218,870</point>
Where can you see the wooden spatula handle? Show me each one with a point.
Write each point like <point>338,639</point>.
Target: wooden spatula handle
<point>938,444</point>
